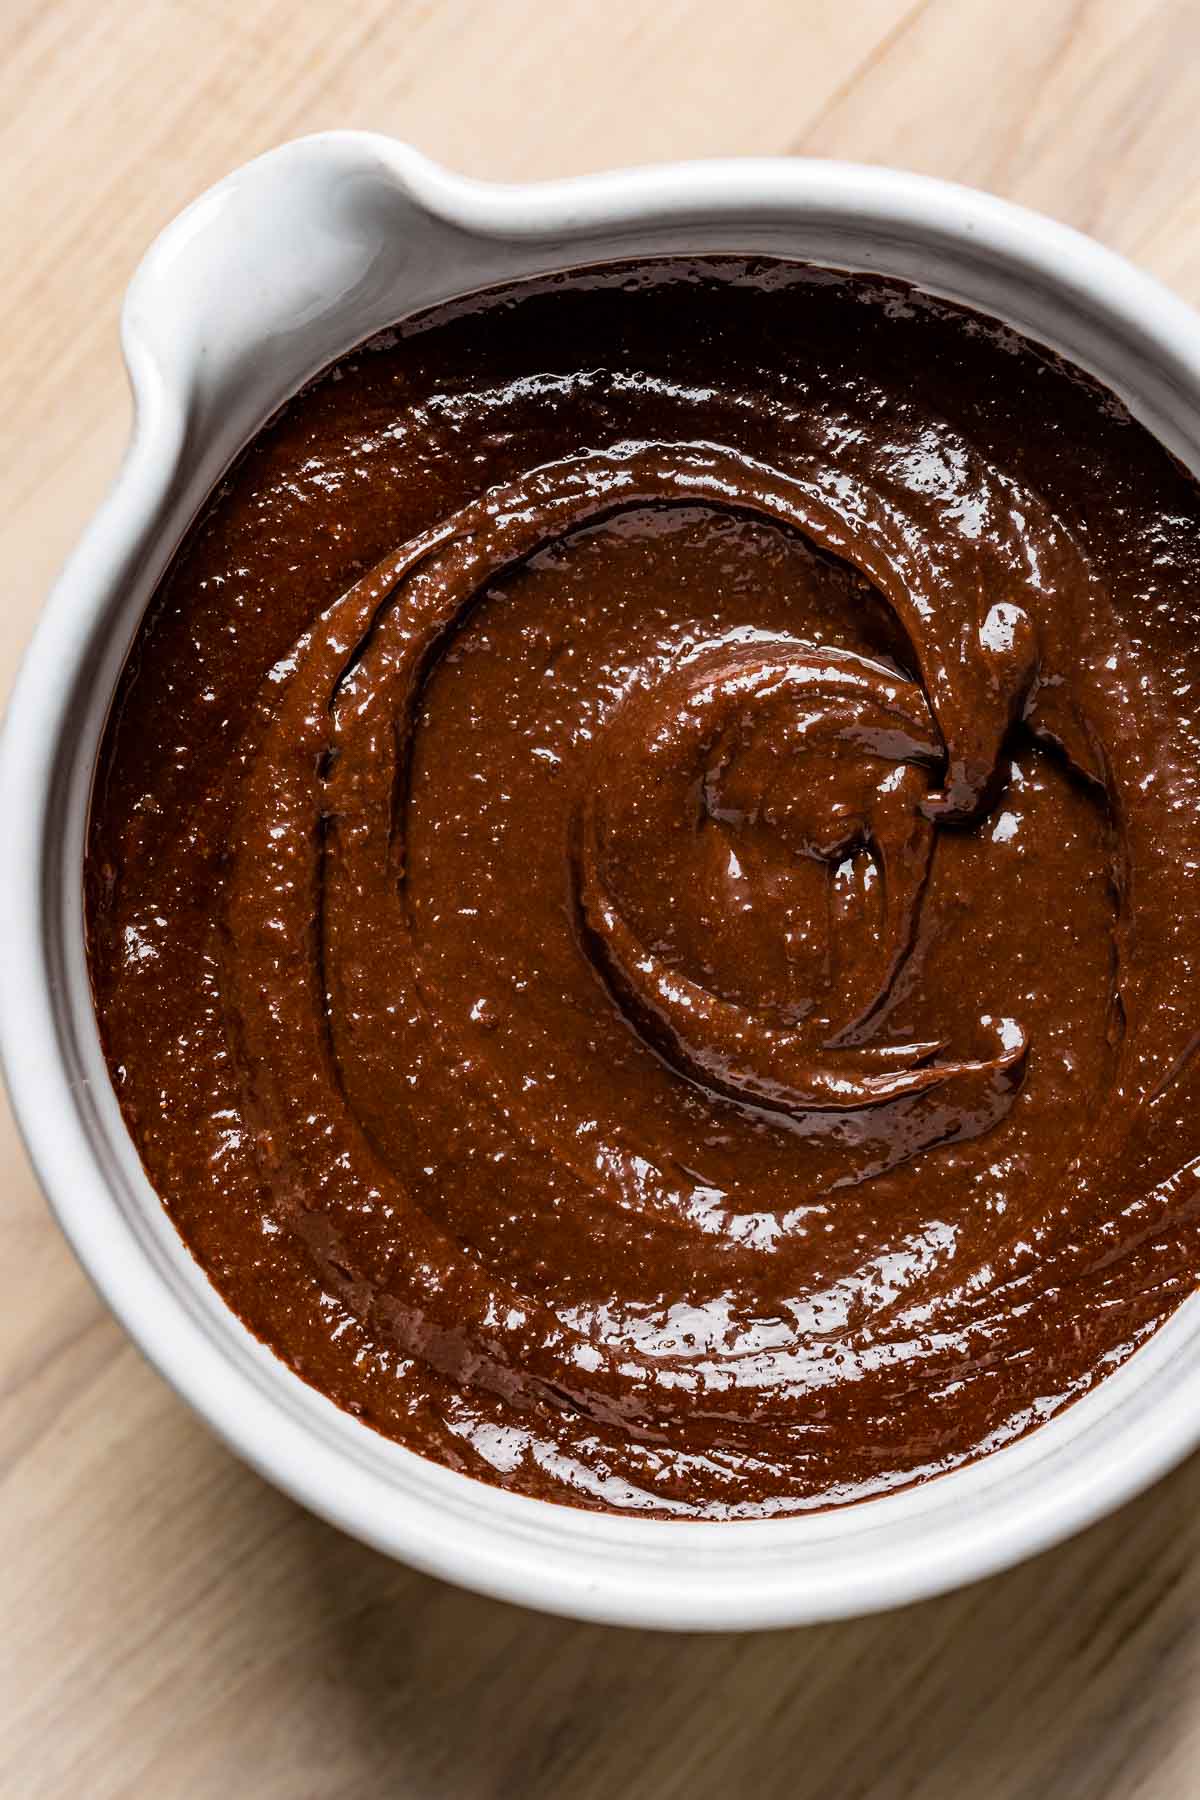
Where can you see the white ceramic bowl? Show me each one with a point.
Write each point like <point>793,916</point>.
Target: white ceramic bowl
<point>289,262</point>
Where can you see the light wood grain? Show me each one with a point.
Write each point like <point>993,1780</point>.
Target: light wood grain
<point>173,1627</point>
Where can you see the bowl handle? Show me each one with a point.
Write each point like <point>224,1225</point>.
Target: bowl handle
<point>270,275</point>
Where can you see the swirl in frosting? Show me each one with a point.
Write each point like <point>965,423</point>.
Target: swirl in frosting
<point>642,889</point>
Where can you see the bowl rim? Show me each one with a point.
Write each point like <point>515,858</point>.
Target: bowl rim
<point>611,1568</point>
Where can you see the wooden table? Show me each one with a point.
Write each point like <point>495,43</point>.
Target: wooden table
<point>172,1626</point>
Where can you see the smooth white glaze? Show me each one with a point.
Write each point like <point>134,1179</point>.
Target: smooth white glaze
<point>254,288</point>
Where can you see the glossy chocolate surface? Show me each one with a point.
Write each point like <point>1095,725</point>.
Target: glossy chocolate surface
<point>643,887</point>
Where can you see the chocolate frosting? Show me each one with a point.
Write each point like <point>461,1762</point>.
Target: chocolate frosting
<point>642,886</point>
